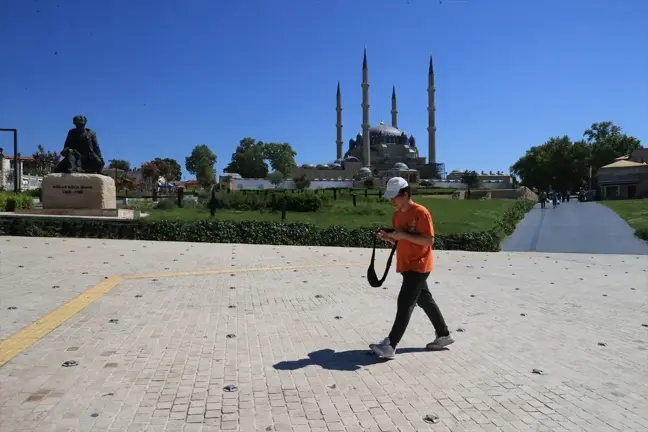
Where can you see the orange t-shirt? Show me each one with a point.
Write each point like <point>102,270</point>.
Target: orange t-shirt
<point>410,256</point>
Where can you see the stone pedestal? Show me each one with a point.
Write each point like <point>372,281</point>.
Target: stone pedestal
<point>79,192</point>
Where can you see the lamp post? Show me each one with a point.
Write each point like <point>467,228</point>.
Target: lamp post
<point>15,144</point>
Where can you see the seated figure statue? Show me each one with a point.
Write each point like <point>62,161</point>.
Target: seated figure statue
<point>81,152</point>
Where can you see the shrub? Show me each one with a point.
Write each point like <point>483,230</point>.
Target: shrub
<point>302,182</point>
<point>140,204</point>
<point>166,204</point>
<point>191,203</point>
<point>642,233</point>
<point>303,202</point>
<point>36,193</point>
<point>295,202</point>
<point>369,183</point>
<point>251,232</point>
<point>10,201</point>
<point>509,220</point>
<point>220,231</point>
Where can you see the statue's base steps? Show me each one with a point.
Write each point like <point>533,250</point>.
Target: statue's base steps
<point>81,213</point>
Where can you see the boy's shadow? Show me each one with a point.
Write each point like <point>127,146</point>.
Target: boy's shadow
<point>351,360</point>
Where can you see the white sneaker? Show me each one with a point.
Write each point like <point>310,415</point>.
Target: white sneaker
<point>383,349</point>
<point>440,342</point>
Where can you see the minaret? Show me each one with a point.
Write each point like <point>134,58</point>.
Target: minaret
<point>338,108</point>
<point>366,153</point>
<point>394,111</point>
<point>431,116</point>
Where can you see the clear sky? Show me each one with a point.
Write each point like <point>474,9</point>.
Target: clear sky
<point>156,77</point>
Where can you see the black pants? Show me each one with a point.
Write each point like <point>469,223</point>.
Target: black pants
<point>414,291</point>
<point>542,203</point>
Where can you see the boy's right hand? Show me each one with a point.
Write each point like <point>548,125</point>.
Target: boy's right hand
<point>386,237</point>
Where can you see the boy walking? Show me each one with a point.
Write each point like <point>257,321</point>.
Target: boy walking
<point>414,232</point>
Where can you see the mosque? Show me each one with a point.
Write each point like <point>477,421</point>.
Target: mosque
<point>380,151</point>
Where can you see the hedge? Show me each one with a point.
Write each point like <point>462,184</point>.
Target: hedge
<point>416,190</point>
<point>10,201</point>
<point>642,233</point>
<point>268,200</point>
<point>250,232</point>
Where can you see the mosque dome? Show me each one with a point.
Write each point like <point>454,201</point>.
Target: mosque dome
<point>352,159</point>
<point>308,166</point>
<point>383,129</point>
<point>336,166</point>
<point>322,166</point>
<point>400,166</point>
<point>364,170</point>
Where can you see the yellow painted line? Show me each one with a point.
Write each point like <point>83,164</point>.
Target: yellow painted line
<point>28,336</point>
<point>234,270</point>
<point>23,339</point>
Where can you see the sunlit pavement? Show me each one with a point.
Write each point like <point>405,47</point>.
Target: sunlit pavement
<point>575,227</point>
<point>101,335</point>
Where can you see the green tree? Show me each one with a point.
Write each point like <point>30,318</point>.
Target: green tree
<point>45,161</point>
<point>249,159</point>
<point>302,182</point>
<point>565,165</point>
<point>607,142</point>
<point>470,179</point>
<point>169,168</point>
<point>201,164</point>
<point>281,157</point>
<point>559,163</point>
<point>276,178</point>
<point>150,172</point>
<point>120,164</point>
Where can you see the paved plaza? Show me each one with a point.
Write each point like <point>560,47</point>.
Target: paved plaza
<point>107,335</point>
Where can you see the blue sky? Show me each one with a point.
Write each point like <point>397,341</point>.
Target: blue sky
<point>156,77</point>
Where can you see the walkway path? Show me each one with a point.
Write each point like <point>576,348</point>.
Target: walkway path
<point>124,336</point>
<point>575,227</point>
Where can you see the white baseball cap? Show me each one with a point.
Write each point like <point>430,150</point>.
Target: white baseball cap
<point>394,185</point>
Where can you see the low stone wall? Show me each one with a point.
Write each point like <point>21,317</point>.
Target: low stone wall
<point>513,194</point>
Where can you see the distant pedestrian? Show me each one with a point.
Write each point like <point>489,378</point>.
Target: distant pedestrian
<point>543,199</point>
<point>414,232</point>
<point>554,198</point>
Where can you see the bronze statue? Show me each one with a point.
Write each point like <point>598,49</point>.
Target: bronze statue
<point>81,152</point>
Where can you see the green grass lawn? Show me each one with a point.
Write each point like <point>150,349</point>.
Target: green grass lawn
<point>449,215</point>
<point>635,212</point>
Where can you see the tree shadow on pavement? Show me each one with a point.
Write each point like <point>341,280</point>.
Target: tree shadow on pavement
<point>351,360</point>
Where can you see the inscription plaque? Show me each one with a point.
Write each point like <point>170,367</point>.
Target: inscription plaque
<point>79,191</point>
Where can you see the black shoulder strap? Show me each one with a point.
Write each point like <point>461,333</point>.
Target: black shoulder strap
<point>371,273</point>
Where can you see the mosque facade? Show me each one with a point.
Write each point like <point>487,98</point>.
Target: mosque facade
<point>380,151</point>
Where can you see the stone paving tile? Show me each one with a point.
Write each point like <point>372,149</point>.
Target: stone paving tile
<point>297,367</point>
<point>38,275</point>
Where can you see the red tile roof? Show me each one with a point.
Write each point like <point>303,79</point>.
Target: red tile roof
<point>24,158</point>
